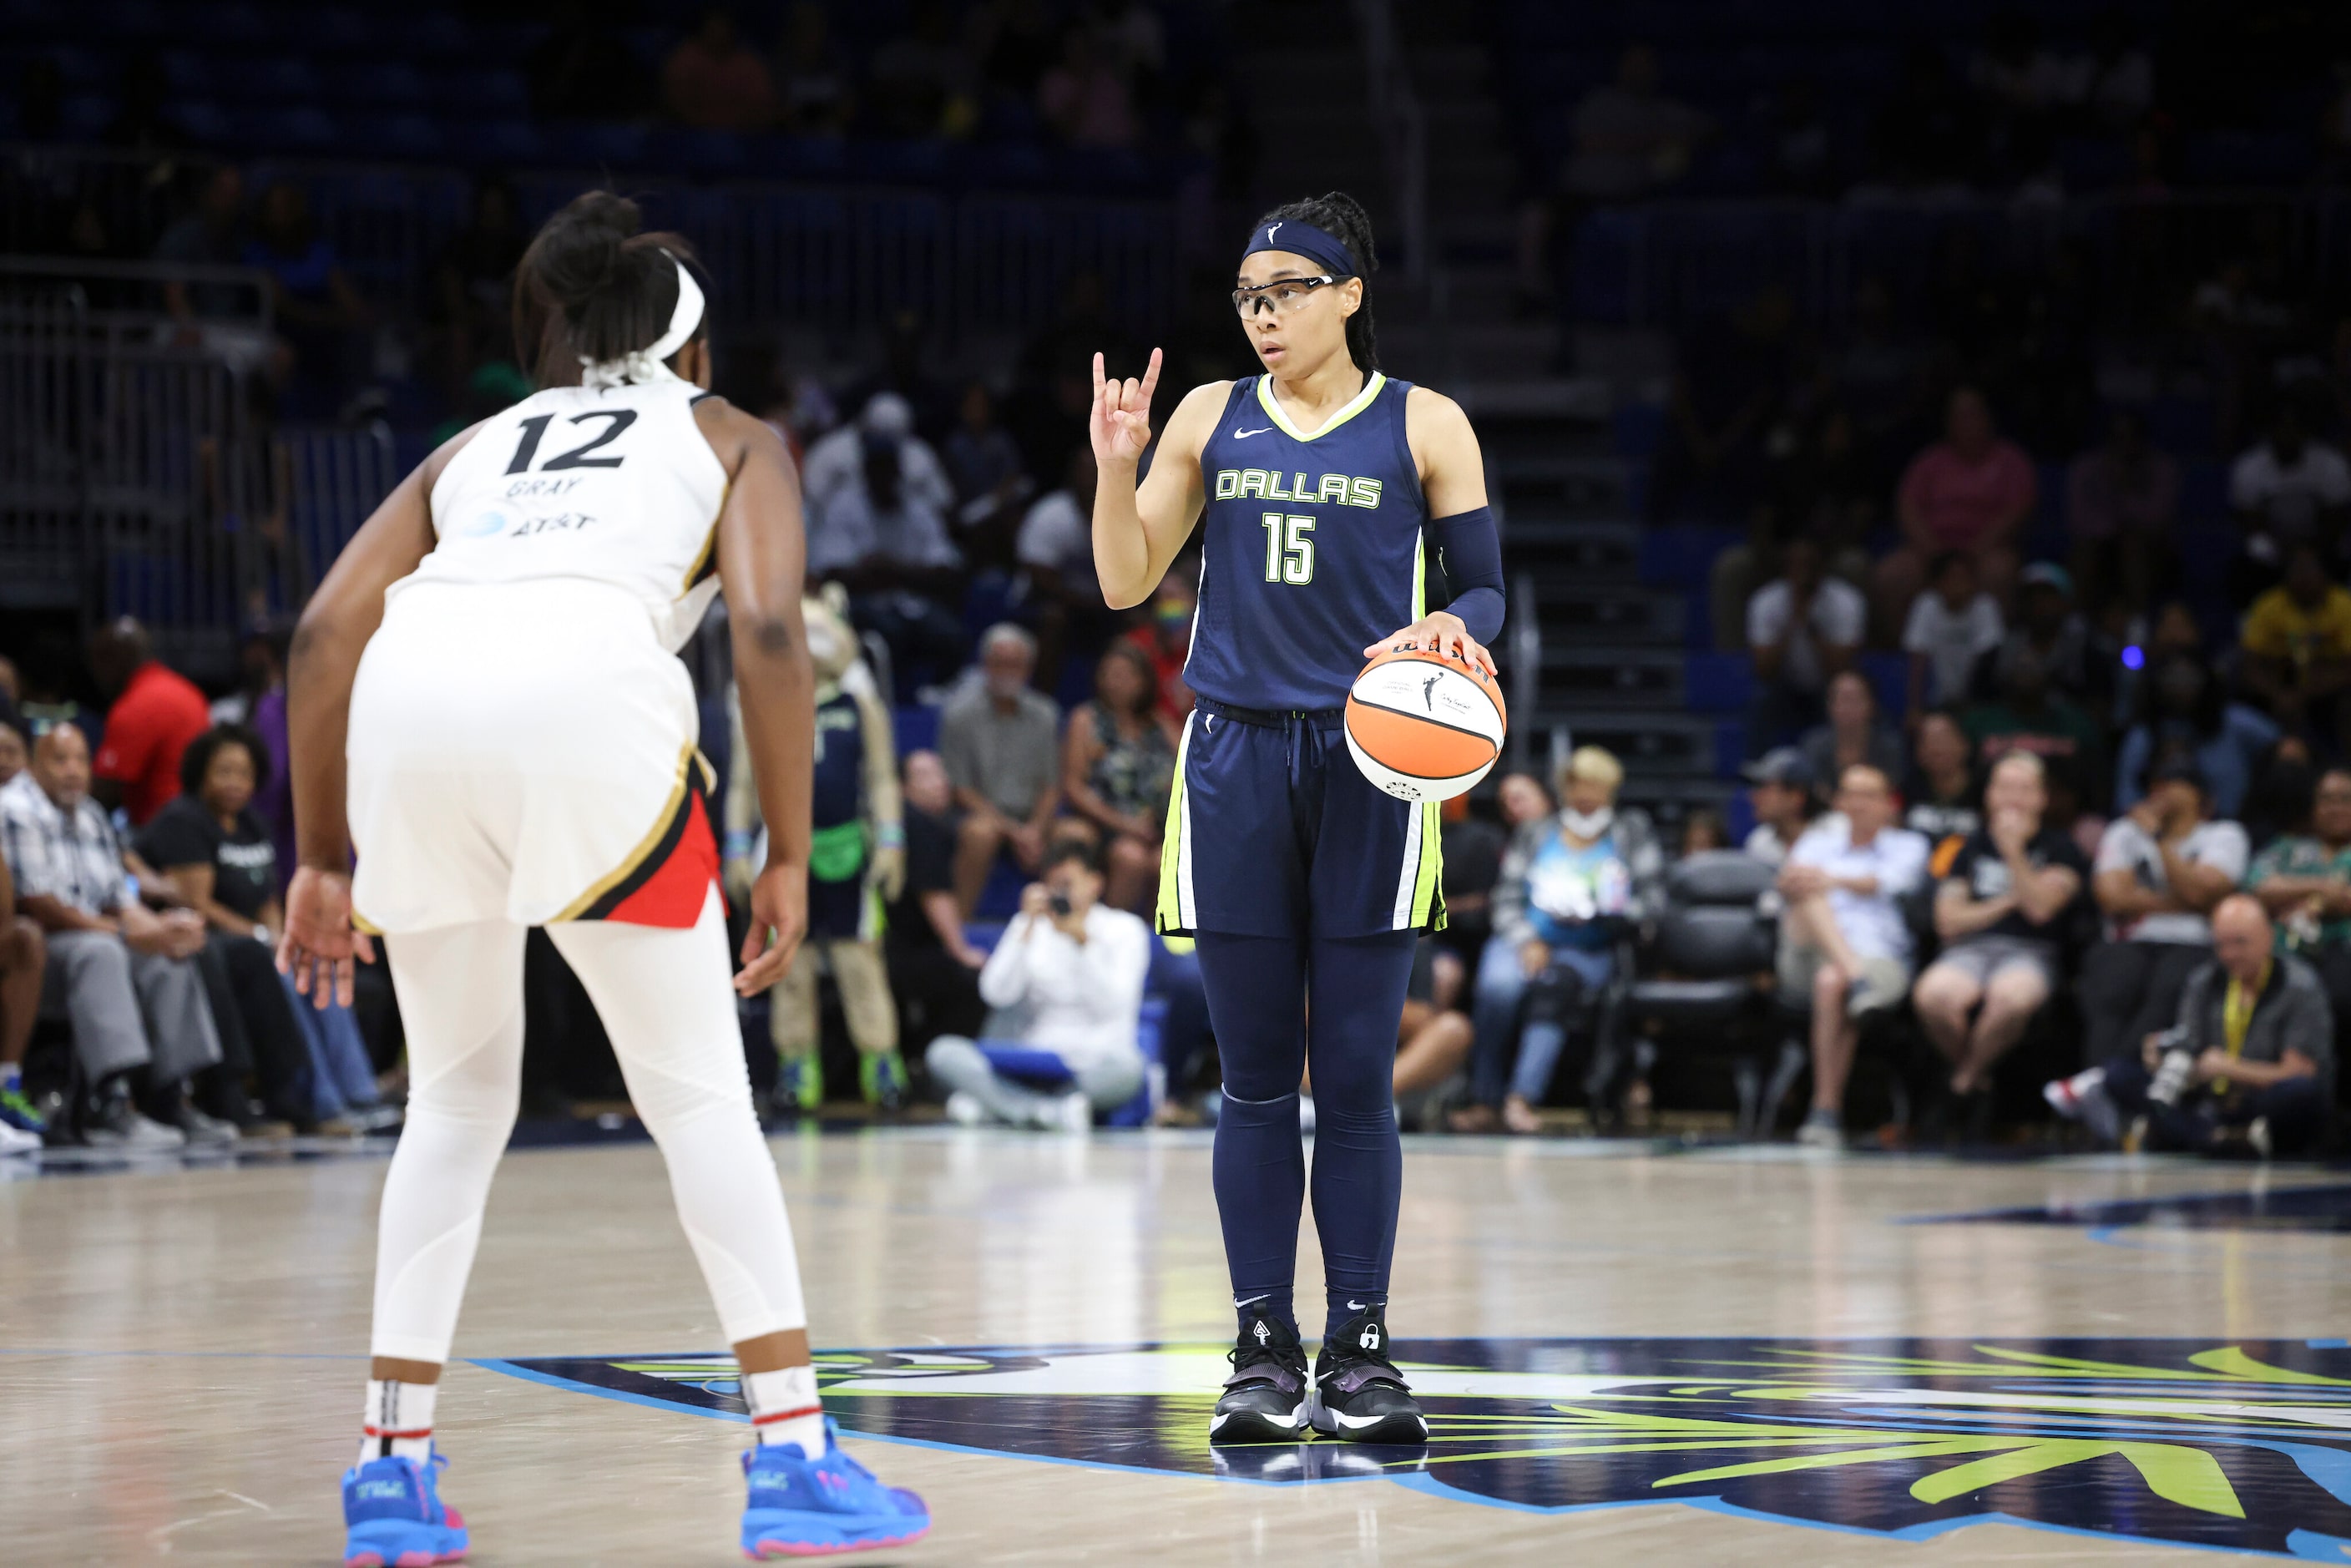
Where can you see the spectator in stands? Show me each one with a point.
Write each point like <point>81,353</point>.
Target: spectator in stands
<point>127,977</point>
<point>307,1064</point>
<point>2303,881</point>
<point>1853,736</point>
<point>999,739</point>
<point>156,711</point>
<point>474,279</point>
<point>1473,847</point>
<point>1952,625</point>
<point>922,83</point>
<point>1844,934</point>
<point>1703,833</point>
<point>1571,883</point>
<point>316,307</point>
<point>1166,641</point>
<point>2162,867</point>
<point>1802,628</point>
<point>934,967</point>
<point>814,91</point>
<point>1085,97</point>
<point>2001,914</point>
<point>984,462</point>
<point>1077,966</point>
<point>1972,491</point>
<point>2181,709</point>
<point>23,956</point>
<point>1523,798</point>
<point>2027,715</point>
<point>2247,1068</point>
<point>2048,624</point>
<point>1056,551</point>
<point>2297,648</point>
<point>2122,513</point>
<point>1779,794</point>
<point>2287,490</point>
<point>1941,788</point>
<point>878,502</point>
<point>15,753</point>
<point>1118,764</point>
<point>1626,140</point>
<point>1433,1038</point>
<point>714,81</point>
<point>223,316</point>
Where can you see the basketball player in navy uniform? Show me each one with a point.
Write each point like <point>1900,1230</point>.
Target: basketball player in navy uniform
<point>1328,489</point>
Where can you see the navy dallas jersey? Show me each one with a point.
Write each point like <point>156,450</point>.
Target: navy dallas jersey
<point>1312,550</point>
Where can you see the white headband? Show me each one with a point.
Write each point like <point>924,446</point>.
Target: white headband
<point>645,364</point>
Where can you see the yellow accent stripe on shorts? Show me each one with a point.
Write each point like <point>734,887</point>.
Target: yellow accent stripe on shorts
<point>1168,912</point>
<point>1427,901</point>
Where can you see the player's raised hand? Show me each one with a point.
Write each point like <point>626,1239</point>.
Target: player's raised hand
<point>1120,424</point>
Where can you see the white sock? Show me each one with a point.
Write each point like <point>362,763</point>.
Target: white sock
<point>784,1408</point>
<point>399,1421</point>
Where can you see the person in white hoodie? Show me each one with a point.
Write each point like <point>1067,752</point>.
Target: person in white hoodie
<point>1069,969</point>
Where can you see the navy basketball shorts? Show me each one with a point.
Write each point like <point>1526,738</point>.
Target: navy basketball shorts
<point>1272,830</point>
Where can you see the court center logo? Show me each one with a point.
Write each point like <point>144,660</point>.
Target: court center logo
<point>2243,1446</point>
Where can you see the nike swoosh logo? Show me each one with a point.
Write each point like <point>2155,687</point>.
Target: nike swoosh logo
<point>1354,1306</point>
<point>1245,434</point>
<point>1357,1423</point>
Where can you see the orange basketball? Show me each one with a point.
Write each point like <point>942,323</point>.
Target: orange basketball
<point>1423,725</point>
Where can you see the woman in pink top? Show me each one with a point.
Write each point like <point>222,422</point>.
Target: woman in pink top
<point>1970,491</point>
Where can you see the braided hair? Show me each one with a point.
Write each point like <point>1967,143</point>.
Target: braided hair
<point>1340,214</point>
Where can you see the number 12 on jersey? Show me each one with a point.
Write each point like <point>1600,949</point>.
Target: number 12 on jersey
<point>1288,551</point>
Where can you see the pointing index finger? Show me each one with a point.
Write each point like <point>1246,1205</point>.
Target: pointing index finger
<point>1098,375</point>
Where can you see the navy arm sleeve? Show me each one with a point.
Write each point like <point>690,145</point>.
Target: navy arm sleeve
<point>1470,550</point>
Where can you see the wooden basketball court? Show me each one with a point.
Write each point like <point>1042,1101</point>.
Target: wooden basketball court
<point>1630,1354</point>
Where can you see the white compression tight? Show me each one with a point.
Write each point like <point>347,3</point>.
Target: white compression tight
<point>667,1002</point>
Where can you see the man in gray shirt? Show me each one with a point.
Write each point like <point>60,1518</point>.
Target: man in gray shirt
<point>1001,742</point>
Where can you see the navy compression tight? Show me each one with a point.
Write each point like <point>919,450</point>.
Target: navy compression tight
<point>1278,1005</point>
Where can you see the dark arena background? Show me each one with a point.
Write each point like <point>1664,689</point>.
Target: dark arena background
<point>1828,1139</point>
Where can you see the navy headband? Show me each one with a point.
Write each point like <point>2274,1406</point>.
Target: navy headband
<point>1325,249</point>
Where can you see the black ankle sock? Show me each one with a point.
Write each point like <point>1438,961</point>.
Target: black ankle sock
<point>1338,1306</point>
<point>1274,1304</point>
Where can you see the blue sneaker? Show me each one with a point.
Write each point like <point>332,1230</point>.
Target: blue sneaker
<point>812,1508</point>
<point>799,1085</point>
<point>396,1519</point>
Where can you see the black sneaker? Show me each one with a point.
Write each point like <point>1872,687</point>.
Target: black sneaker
<point>1359,1393</point>
<point>1266,1398</point>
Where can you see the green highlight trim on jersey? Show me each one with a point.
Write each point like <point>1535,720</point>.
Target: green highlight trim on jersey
<point>1428,894</point>
<point>1419,576</point>
<point>1272,406</point>
<point>1167,915</point>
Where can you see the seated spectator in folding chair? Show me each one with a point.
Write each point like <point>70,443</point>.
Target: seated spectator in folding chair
<point>2246,1069</point>
<point>124,976</point>
<point>1940,794</point>
<point>23,955</point>
<point>1571,882</point>
<point>933,965</point>
<point>1852,734</point>
<point>1780,793</point>
<point>2303,881</point>
<point>1075,968</point>
<point>1000,740</point>
<point>2001,914</point>
<point>2297,654</point>
<point>2162,867</point>
<point>308,1063</point>
<point>1845,945</point>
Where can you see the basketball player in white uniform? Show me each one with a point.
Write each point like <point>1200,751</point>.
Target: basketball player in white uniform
<point>485,703</point>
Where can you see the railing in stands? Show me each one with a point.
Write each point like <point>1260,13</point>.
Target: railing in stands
<point>136,479</point>
<point>1525,626</point>
<point>780,254</point>
<point>1403,131</point>
<point>2122,257</point>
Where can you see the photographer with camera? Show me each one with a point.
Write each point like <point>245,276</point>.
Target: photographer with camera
<point>2247,1070</point>
<point>1073,969</point>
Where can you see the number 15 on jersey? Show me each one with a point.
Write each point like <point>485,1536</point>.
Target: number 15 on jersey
<point>1289,549</point>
